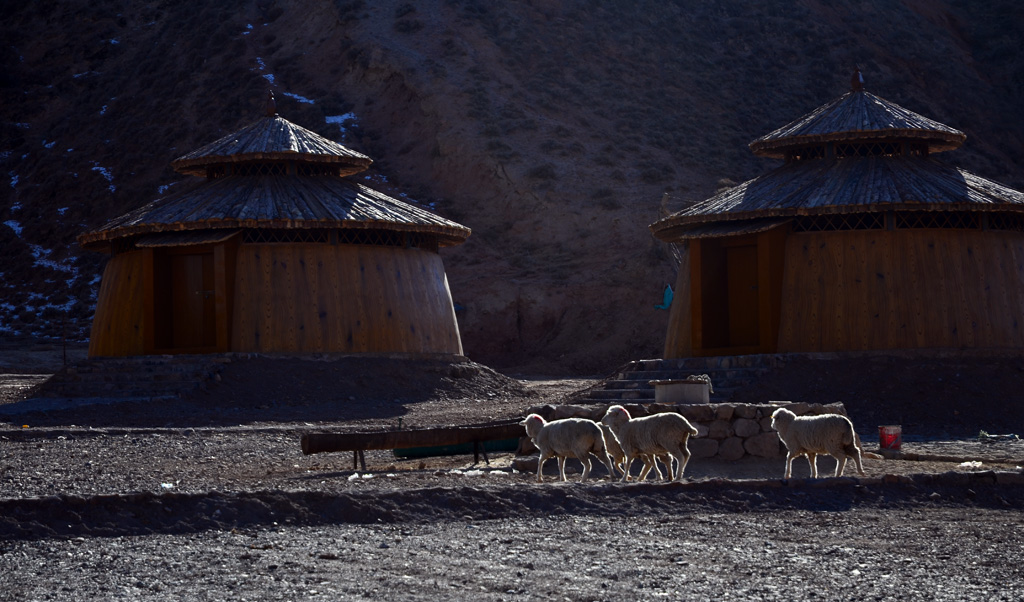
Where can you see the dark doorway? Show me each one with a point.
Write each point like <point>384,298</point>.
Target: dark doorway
<point>729,294</point>
<point>184,303</point>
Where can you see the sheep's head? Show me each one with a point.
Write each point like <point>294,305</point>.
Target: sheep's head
<point>782,417</point>
<point>615,416</point>
<point>533,424</point>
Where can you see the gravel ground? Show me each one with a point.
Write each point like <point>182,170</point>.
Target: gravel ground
<point>100,502</point>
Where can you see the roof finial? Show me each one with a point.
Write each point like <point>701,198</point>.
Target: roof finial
<point>271,105</point>
<point>856,81</point>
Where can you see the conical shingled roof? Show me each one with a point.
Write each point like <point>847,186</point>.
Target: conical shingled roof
<point>272,138</point>
<point>289,202</point>
<point>833,184</point>
<point>830,186</point>
<point>858,115</point>
<point>281,199</point>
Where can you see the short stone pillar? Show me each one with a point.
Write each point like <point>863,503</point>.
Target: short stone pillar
<point>681,391</point>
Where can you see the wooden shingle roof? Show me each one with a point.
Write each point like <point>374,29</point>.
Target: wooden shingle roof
<point>835,186</point>
<point>858,115</point>
<point>287,202</point>
<point>258,192</point>
<point>272,138</point>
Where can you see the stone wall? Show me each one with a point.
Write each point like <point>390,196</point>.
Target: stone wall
<point>728,431</point>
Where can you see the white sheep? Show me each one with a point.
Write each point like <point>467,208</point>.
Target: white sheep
<point>569,437</point>
<point>619,458</point>
<point>650,436</point>
<point>830,434</point>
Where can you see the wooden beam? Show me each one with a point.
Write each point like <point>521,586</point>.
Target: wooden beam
<point>315,443</point>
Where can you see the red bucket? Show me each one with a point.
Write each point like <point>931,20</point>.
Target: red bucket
<point>890,436</point>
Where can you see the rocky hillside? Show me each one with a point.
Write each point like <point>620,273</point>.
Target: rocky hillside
<point>552,128</point>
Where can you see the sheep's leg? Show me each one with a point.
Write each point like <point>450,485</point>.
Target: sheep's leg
<point>840,463</point>
<point>682,460</point>
<point>561,467</point>
<point>670,470</point>
<point>540,466</point>
<point>607,460</point>
<point>586,467</point>
<point>646,470</point>
<point>854,452</point>
<point>789,464</point>
<point>625,467</point>
<point>654,462</point>
<point>812,459</point>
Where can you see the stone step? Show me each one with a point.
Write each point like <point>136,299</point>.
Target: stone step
<point>631,383</point>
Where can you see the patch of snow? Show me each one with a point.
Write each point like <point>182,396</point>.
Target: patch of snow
<point>344,122</point>
<point>16,206</point>
<point>22,125</point>
<point>105,173</point>
<point>103,110</point>
<point>49,144</point>
<point>248,29</point>
<point>301,99</point>
<point>62,210</point>
<point>14,225</point>
<point>165,188</point>
<point>262,67</point>
<point>42,255</point>
<point>70,150</point>
<point>14,182</point>
<point>115,41</point>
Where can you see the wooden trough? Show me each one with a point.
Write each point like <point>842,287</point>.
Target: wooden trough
<point>475,434</point>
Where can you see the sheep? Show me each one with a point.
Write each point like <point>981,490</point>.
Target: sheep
<point>619,458</point>
<point>569,437</point>
<point>831,434</point>
<point>650,436</point>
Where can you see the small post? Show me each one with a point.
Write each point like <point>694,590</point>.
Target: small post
<point>64,337</point>
<point>479,448</point>
<point>362,460</point>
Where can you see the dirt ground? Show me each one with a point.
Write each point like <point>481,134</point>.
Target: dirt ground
<point>211,498</point>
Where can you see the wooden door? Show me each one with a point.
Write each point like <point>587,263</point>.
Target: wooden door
<point>192,297</point>
<point>741,278</point>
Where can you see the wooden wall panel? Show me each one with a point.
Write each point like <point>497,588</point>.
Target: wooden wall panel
<point>118,326</point>
<point>902,289</point>
<point>343,298</point>
<point>679,337</point>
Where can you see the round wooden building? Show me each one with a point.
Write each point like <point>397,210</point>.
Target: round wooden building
<point>861,240</point>
<point>275,251</point>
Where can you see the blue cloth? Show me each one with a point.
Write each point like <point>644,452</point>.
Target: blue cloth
<point>666,299</point>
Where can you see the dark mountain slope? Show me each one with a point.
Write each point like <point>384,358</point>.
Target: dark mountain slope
<point>552,128</point>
